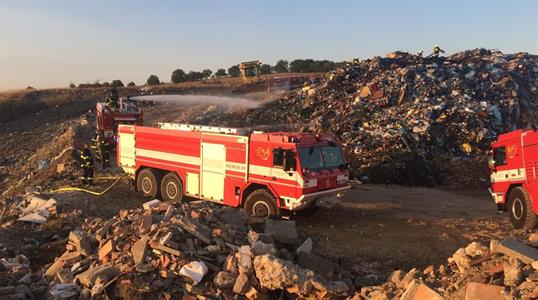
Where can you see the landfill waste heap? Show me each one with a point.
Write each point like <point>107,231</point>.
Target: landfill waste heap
<point>404,119</point>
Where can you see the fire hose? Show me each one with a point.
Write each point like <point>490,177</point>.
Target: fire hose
<point>70,189</point>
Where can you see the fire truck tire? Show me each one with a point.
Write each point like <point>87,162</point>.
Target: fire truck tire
<point>172,188</point>
<point>148,182</point>
<point>520,209</point>
<point>261,203</point>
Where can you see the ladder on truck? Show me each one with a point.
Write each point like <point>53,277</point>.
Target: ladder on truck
<point>203,128</point>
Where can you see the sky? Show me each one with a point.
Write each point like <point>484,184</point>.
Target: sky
<point>52,43</point>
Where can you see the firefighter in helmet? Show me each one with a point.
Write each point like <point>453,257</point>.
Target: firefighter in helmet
<point>87,165</point>
<point>112,98</point>
<point>103,151</point>
<point>436,51</point>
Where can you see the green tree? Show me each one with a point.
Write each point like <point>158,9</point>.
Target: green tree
<point>153,80</point>
<point>206,73</point>
<point>131,84</point>
<point>220,73</point>
<point>72,85</point>
<point>194,75</point>
<point>265,69</point>
<point>281,66</point>
<point>234,71</point>
<point>179,76</point>
<point>116,83</point>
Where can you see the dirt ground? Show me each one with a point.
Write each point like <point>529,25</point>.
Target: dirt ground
<point>403,227</point>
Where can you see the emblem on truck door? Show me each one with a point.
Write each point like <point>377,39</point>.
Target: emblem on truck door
<point>262,153</point>
<point>512,151</point>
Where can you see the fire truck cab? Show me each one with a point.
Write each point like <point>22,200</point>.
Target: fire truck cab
<point>261,172</point>
<point>513,162</point>
<point>108,118</point>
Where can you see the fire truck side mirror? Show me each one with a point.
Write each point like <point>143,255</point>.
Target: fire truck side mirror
<point>491,161</point>
<point>290,163</point>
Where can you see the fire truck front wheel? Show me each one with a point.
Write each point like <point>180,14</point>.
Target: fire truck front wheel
<point>520,209</point>
<point>171,188</point>
<point>147,182</point>
<point>261,203</point>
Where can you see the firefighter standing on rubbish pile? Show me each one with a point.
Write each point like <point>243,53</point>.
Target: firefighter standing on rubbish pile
<point>436,51</point>
<point>87,165</point>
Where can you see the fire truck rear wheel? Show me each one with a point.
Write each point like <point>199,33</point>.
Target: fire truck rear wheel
<point>520,209</point>
<point>171,188</point>
<point>261,203</point>
<point>147,182</point>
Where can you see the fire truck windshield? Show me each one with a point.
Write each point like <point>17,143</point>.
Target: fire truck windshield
<point>321,157</point>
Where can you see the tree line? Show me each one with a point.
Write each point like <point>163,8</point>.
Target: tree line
<point>281,66</point>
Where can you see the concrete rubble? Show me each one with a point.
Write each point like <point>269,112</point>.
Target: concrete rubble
<point>472,273</point>
<point>197,249</point>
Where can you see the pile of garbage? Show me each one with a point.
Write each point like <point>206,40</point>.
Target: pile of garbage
<point>405,119</point>
<point>504,270</point>
<point>197,249</point>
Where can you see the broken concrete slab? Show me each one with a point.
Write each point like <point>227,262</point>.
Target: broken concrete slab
<point>282,231</point>
<point>194,229</point>
<point>195,270</point>
<point>261,248</point>
<point>517,249</point>
<point>81,242</point>
<point>88,277</point>
<point>224,280</point>
<point>64,290</point>
<point>480,291</point>
<point>152,204</point>
<point>161,247</point>
<point>67,257</point>
<point>242,284</point>
<point>106,249</point>
<point>419,291</point>
<point>38,210</point>
<point>139,250</point>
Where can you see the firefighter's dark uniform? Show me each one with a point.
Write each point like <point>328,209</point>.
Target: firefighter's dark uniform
<point>87,166</point>
<point>112,99</point>
<point>436,51</point>
<point>103,152</point>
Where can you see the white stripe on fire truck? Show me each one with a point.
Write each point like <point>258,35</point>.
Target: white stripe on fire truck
<point>185,159</point>
<point>508,175</point>
<point>268,171</point>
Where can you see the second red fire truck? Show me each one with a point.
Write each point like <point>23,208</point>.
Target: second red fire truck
<point>513,162</point>
<point>262,172</point>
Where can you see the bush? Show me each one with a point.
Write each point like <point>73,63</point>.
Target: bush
<point>234,71</point>
<point>116,83</point>
<point>179,76</point>
<point>206,73</point>
<point>194,75</point>
<point>265,69</point>
<point>153,80</point>
<point>281,66</point>
<point>220,73</point>
<point>131,84</point>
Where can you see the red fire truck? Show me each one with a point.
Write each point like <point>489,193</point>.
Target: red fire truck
<point>513,162</point>
<point>262,172</point>
<point>108,118</point>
